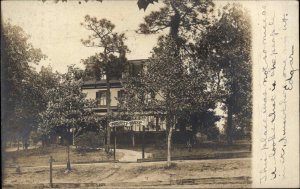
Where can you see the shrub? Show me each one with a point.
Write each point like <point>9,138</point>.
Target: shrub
<point>35,137</point>
<point>213,133</point>
<point>90,140</point>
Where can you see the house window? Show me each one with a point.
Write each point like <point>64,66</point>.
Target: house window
<point>135,69</point>
<point>101,98</point>
<point>121,96</point>
<point>149,97</point>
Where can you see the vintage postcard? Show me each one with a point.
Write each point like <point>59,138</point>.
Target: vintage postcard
<point>150,94</point>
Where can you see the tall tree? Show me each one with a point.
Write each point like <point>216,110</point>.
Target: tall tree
<point>20,83</point>
<point>68,113</point>
<point>202,121</point>
<point>226,47</point>
<point>177,89</point>
<point>112,57</point>
<point>185,83</point>
<point>183,18</point>
<point>46,80</point>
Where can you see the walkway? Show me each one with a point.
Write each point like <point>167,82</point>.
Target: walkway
<point>131,156</point>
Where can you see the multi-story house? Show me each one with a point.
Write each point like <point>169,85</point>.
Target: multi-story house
<point>96,89</point>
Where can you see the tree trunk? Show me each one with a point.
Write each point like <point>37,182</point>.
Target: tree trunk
<point>3,155</point>
<point>25,144</point>
<point>229,124</point>
<point>18,143</point>
<point>108,102</point>
<point>170,122</point>
<point>175,23</point>
<point>169,147</point>
<point>132,137</point>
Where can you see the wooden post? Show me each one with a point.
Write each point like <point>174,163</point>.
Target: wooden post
<point>50,161</point>
<point>18,144</point>
<point>143,147</point>
<point>68,158</point>
<point>156,123</point>
<point>115,145</point>
<point>132,136</point>
<point>73,139</point>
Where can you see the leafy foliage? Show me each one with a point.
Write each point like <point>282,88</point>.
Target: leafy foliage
<point>214,66</point>
<point>203,122</point>
<point>226,47</point>
<point>110,61</point>
<point>179,90</point>
<point>90,140</point>
<point>143,4</point>
<point>183,18</point>
<point>22,87</point>
<point>69,109</point>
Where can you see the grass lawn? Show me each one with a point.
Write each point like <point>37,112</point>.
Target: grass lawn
<point>40,156</point>
<point>214,173</point>
<point>199,149</point>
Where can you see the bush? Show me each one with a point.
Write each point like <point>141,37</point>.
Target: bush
<point>90,140</point>
<point>213,133</point>
<point>35,137</point>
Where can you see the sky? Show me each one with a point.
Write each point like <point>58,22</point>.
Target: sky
<point>55,27</point>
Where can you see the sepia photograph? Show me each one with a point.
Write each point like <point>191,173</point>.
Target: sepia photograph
<point>149,94</point>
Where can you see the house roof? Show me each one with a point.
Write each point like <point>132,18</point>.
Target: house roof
<point>94,84</point>
<point>138,61</point>
<point>103,81</point>
<point>114,82</point>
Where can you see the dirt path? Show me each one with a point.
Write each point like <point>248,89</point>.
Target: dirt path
<point>131,155</point>
<point>209,173</point>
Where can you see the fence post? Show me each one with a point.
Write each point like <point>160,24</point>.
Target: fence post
<point>50,161</point>
<point>68,158</point>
